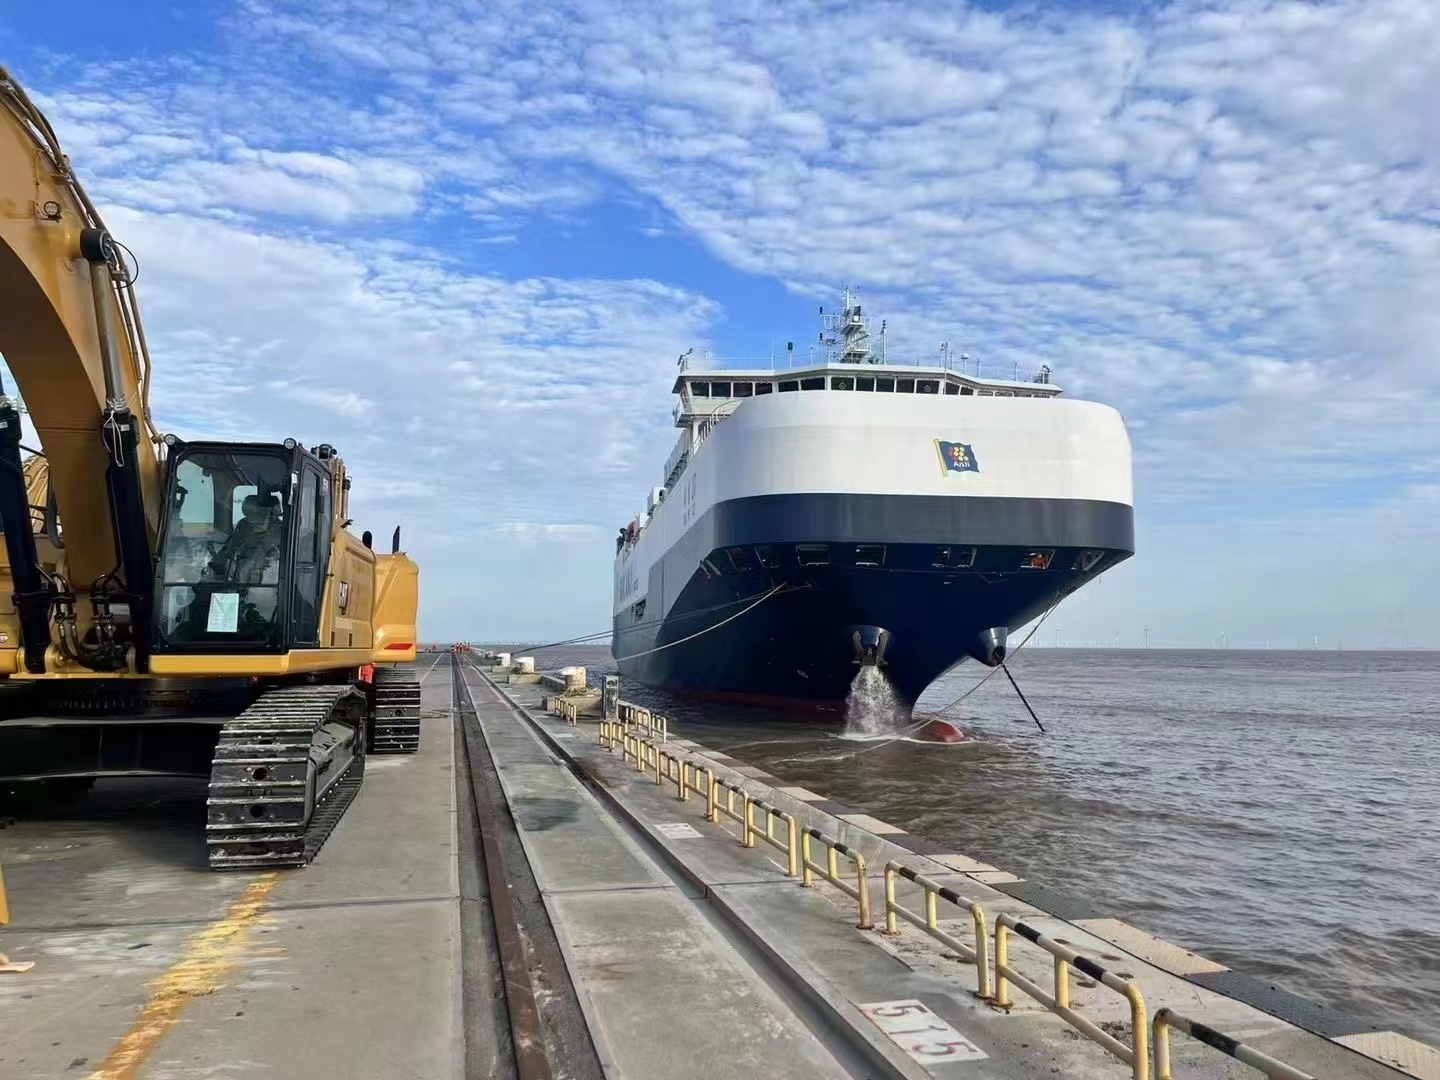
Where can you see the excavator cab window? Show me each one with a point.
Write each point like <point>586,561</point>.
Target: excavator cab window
<point>225,553</point>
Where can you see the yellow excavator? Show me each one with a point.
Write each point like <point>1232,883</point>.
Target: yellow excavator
<point>171,607</point>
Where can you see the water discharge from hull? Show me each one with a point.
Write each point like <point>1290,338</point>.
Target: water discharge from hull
<point>873,709</point>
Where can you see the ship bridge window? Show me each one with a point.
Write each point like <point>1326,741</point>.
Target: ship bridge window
<point>719,389</point>
<point>865,382</point>
<point>1086,561</point>
<point>699,389</point>
<point>904,386</point>
<point>927,386</point>
<point>786,385</point>
<point>764,387</point>
<point>709,568</point>
<point>869,554</point>
<point>842,382</point>
<point>740,559</point>
<point>812,384</point>
<point>968,390</point>
<point>813,554</point>
<point>952,388</point>
<point>768,556</point>
<point>1036,560</point>
<point>954,558</point>
<point>987,393</point>
<point>637,610</point>
<point>743,389</point>
<point>885,386</point>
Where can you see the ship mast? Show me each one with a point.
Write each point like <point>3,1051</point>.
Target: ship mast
<point>845,336</point>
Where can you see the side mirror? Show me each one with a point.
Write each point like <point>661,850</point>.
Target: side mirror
<point>395,542</point>
<point>367,540</point>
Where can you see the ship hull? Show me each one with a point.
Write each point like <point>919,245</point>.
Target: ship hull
<point>758,616</point>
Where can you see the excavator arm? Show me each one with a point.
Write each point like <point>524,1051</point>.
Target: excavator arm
<point>71,335</point>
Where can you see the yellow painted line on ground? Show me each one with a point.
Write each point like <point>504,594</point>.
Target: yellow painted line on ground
<point>207,959</point>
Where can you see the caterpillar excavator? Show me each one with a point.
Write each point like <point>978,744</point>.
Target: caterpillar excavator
<point>172,607</point>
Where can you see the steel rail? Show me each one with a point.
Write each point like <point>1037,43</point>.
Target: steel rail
<point>526,1036</point>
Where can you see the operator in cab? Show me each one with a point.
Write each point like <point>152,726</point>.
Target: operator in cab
<point>253,546</point>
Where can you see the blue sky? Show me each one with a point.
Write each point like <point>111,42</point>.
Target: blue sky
<point>465,242</point>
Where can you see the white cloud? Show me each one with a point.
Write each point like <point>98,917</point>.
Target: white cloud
<point>1220,216</point>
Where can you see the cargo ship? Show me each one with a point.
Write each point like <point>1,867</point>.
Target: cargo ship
<point>847,508</point>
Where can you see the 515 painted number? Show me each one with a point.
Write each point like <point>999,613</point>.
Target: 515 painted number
<point>920,1033</point>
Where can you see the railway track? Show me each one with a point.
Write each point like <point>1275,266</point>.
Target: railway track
<point>548,1038</point>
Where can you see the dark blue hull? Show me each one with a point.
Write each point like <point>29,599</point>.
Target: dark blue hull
<point>895,562</point>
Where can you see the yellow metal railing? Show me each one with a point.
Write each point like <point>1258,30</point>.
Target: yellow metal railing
<point>632,715</point>
<point>830,871</point>
<point>1165,1019</point>
<point>567,709</point>
<point>749,831</point>
<point>1137,1055</point>
<point>978,954</point>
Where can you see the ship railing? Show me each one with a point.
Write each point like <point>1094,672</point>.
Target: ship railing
<point>977,954</point>
<point>1136,1055</point>
<point>1165,1019</point>
<point>830,870</point>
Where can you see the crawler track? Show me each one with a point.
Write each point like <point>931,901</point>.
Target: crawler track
<point>284,772</point>
<point>395,724</point>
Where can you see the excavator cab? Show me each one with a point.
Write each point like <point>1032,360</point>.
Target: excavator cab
<point>244,549</point>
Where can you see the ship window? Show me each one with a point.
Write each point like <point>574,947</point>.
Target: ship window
<point>987,393</point>
<point>740,559</point>
<point>865,382</point>
<point>842,382</point>
<point>812,384</point>
<point>813,554</point>
<point>955,558</point>
<point>951,388</point>
<point>1036,560</point>
<point>787,385</point>
<point>764,387</point>
<point>904,386</point>
<point>699,389</point>
<point>869,554</point>
<point>744,389</point>
<point>927,386</point>
<point>885,386</point>
<point>1004,393</point>
<point>637,609</point>
<point>1086,560</point>
<point>719,389</point>
<point>711,570</point>
<point>768,556</point>
<point>968,390</point>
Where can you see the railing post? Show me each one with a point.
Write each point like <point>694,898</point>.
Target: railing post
<point>982,951</point>
<point>932,917</point>
<point>1140,1027</point>
<point>712,811</point>
<point>685,780</point>
<point>807,878</point>
<point>1162,1045</point>
<point>658,754</point>
<point>890,927</point>
<point>793,847</point>
<point>862,888</point>
<point>1002,961</point>
<point>749,823</point>
<point>1062,983</point>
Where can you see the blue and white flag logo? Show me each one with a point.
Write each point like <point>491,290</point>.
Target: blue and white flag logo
<point>956,457</point>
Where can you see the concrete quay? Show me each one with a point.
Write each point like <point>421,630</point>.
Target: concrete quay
<point>654,944</point>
